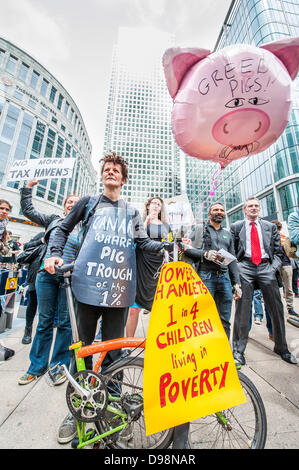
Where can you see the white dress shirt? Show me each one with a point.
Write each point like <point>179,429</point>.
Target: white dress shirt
<point>248,238</point>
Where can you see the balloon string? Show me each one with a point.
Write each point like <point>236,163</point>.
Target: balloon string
<point>212,189</point>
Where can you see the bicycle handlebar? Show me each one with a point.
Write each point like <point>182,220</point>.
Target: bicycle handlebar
<point>64,268</point>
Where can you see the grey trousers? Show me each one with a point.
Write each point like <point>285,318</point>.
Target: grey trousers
<point>258,277</point>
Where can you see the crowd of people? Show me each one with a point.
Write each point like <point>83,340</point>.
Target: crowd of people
<point>261,264</point>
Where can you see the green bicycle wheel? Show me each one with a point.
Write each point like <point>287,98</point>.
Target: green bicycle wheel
<point>128,375</point>
<point>244,427</point>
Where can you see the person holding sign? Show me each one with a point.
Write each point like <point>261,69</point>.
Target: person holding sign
<point>51,297</point>
<point>148,264</point>
<point>219,277</point>
<point>104,275</point>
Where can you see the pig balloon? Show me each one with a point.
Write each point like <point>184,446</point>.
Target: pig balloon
<point>232,103</point>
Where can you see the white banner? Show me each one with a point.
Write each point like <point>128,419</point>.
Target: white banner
<point>43,168</point>
<point>179,211</point>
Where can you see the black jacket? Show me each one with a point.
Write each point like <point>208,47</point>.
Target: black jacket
<point>214,240</point>
<point>271,240</point>
<point>36,246</point>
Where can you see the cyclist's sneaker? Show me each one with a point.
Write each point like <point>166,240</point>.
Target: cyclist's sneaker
<point>127,433</point>
<point>67,430</point>
<point>292,312</point>
<point>26,379</point>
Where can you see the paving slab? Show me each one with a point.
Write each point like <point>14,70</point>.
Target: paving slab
<point>31,414</point>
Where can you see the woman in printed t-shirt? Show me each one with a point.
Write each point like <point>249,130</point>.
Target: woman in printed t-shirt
<point>148,264</point>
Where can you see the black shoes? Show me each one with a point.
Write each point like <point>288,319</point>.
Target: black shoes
<point>27,335</point>
<point>239,358</point>
<point>293,321</point>
<point>287,356</point>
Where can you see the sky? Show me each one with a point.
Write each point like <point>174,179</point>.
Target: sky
<point>73,39</point>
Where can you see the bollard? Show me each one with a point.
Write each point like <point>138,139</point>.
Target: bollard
<point>24,298</point>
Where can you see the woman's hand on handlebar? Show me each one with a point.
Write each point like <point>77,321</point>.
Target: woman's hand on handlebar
<point>49,264</point>
<point>186,243</point>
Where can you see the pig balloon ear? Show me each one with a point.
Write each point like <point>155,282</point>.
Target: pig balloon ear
<point>176,63</point>
<point>287,50</point>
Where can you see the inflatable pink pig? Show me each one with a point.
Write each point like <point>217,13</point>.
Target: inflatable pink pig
<point>232,103</point>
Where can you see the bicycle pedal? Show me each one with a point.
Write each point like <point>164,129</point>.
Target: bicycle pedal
<point>52,373</point>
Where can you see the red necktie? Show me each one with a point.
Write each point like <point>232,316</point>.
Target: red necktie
<point>256,253</point>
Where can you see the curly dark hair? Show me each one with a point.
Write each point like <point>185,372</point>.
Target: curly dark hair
<point>117,160</point>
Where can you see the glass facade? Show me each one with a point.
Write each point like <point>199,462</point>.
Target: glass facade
<point>138,123</point>
<point>272,175</point>
<point>33,126</point>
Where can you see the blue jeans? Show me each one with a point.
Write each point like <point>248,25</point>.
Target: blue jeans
<point>51,297</point>
<point>257,302</point>
<point>258,310</point>
<point>220,288</point>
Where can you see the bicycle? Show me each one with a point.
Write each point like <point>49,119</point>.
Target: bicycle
<point>113,401</point>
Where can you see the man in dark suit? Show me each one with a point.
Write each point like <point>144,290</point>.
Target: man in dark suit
<point>258,250</point>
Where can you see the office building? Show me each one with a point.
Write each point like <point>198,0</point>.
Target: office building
<point>273,175</point>
<point>39,119</point>
<point>138,123</point>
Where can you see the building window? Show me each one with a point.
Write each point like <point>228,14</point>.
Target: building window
<point>289,197</point>
<point>24,135</point>
<point>52,94</point>
<point>11,64</point>
<point>23,72</point>
<point>34,79</point>
<point>66,108</point>
<point>2,52</point>
<point>32,103</point>
<point>60,146</point>
<point>60,100</point>
<point>38,140</point>
<point>7,136</point>
<point>50,144</point>
<point>44,87</point>
<point>10,123</point>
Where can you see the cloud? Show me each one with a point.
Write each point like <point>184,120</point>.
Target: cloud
<point>27,25</point>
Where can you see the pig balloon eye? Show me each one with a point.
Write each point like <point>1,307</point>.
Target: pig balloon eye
<point>257,101</point>
<point>235,103</point>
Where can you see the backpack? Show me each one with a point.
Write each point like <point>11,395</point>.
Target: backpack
<point>289,248</point>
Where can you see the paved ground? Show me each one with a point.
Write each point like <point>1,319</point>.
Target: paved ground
<point>30,415</point>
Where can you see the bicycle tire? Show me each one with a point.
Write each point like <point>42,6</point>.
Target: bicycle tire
<point>247,427</point>
<point>131,370</point>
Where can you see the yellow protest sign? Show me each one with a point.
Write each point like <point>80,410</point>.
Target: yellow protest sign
<point>11,283</point>
<point>189,369</point>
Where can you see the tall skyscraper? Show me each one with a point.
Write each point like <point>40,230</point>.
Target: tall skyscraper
<point>138,123</point>
<point>273,175</point>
